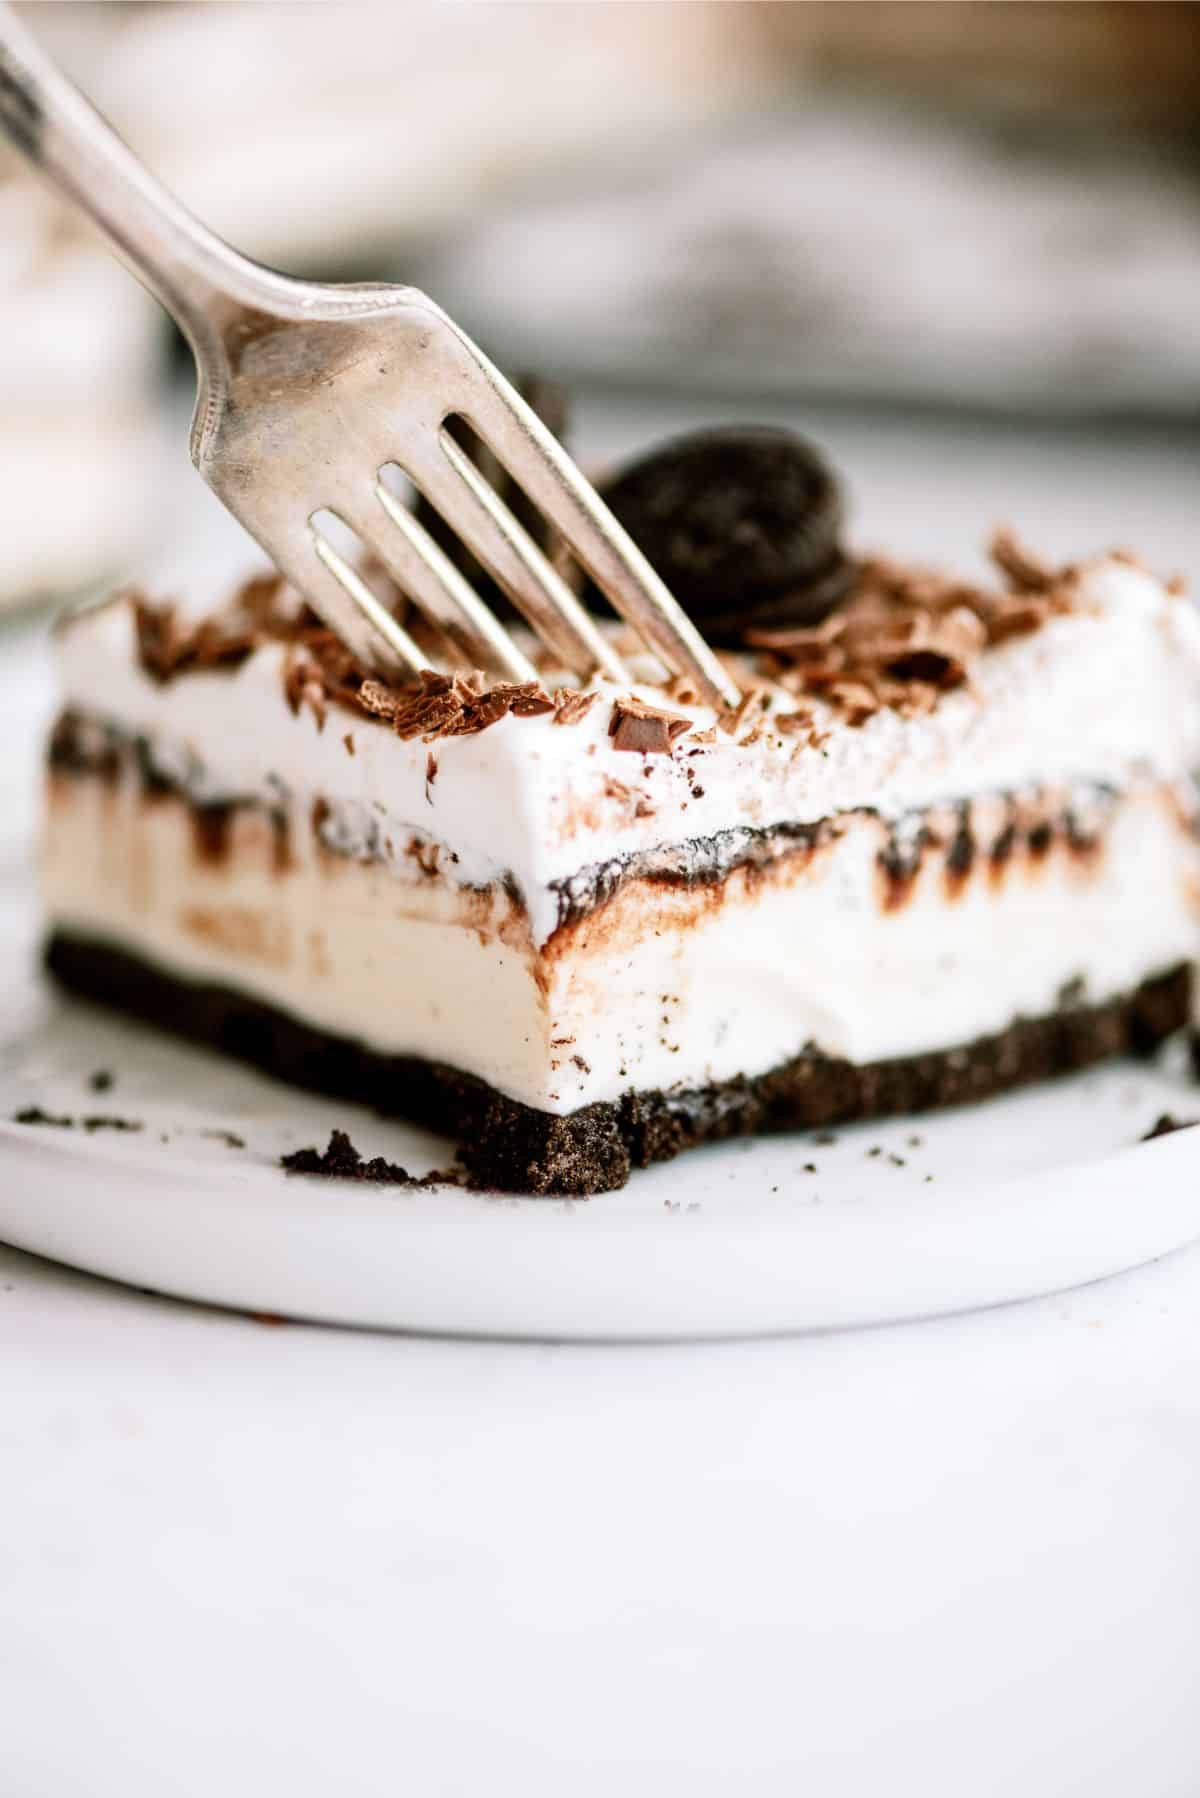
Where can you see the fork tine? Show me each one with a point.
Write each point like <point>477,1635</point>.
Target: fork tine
<point>432,581</point>
<point>538,463</point>
<point>344,600</point>
<point>452,483</point>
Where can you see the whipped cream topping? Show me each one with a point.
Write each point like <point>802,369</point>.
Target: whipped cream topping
<point>1102,693</point>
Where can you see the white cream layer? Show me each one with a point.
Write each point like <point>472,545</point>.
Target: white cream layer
<point>1100,694</point>
<point>660,988</point>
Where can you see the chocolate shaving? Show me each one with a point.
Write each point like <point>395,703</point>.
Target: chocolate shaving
<point>753,698</point>
<point>529,700</point>
<point>451,705</point>
<point>304,685</point>
<point>1016,618</point>
<point>938,650</point>
<point>167,647</point>
<point>854,699</point>
<point>644,729</point>
<point>1024,571</point>
<point>906,635</point>
<point>571,706</point>
<point>263,609</point>
<point>793,723</point>
<point>800,643</point>
<point>378,700</point>
<point>681,690</point>
<point>261,596</point>
<point>899,638</point>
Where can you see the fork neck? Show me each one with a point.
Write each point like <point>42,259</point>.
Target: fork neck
<point>192,272</point>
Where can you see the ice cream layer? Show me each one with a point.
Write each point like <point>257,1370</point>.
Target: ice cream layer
<point>662,985</point>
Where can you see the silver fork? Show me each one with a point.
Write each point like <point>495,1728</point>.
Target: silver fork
<point>308,393</point>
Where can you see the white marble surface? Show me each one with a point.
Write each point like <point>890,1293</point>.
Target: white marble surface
<point>939,1558</point>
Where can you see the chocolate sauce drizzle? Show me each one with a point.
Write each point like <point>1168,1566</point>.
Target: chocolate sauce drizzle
<point>1027,826</point>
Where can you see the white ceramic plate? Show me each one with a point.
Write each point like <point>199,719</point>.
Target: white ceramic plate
<point>1028,1194</point>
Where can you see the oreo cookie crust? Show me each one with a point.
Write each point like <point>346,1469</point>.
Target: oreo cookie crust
<point>508,1146</point>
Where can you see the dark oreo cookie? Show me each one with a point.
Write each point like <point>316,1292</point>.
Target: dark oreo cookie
<point>743,524</point>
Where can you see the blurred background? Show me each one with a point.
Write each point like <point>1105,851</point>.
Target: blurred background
<point>957,243</point>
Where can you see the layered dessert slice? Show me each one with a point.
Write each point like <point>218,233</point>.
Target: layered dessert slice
<point>946,845</point>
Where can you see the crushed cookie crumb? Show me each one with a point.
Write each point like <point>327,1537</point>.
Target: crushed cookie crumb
<point>1166,1125</point>
<point>33,1114</point>
<point>340,1160</point>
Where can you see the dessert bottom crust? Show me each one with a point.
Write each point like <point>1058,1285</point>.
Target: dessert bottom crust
<point>510,1146</point>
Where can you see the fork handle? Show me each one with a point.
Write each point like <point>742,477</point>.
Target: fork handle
<point>190,270</point>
